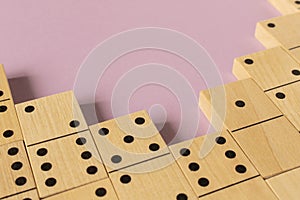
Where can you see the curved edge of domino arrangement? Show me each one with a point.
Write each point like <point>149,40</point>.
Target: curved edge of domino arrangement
<point>49,152</point>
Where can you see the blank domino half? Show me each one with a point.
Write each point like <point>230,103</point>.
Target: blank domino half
<point>271,146</point>
<point>286,186</point>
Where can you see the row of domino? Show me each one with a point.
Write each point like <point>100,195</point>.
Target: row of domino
<point>49,152</point>
<point>123,158</point>
<point>262,108</point>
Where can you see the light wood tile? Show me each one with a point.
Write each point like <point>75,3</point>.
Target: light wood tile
<point>98,190</point>
<point>286,6</point>
<point>222,165</point>
<point>123,142</point>
<point>237,105</point>
<point>255,189</point>
<point>15,172</point>
<point>287,99</point>
<point>166,183</point>
<point>9,125</point>
<point>272,146</point>
<point>29,195</point>
<point>268,68</point>
<point>50,117</point>
<point>283,30</point>
<point>5,92</point>
<point>65,163</point>
<point>286,186</point>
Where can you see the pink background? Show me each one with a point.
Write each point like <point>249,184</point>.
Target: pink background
<point>43,44</point>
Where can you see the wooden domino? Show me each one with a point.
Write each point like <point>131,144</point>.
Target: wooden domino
<point>128,140</point>
<point>50,117</point>
<point>269,68</point>
<point>144,181</point>
<point>9,125</point>
<point>254,188</point>
<point>65,163</point>
<point>15,172</point>
<point>272,146</point>
<point>254,155</point>
<point>286,6</point>
<point>286,186</point>
<point>282,31</point>
<point>97,190</point>
<point>224,165</point>
<point>5,93</point>
<point>245,104</point>
<point>287,98</point>
<point>28,195</point>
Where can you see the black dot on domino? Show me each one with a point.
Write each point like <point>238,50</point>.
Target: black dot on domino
<point>3,108</point>
<point>8,133</point>
<point>185,152</point>
<point>240,103</point>
<point>139,120</point>
<point>125,179</point>
<point>116,159</point>
<point>203,182</point>
<point>29,109</point>
<point>13,151</point>
<point>50,182</point>
<point>20,181</point>
<point>101,192</point>
<point>181,196</point>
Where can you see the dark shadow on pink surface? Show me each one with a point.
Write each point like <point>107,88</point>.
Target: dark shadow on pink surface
<point>168,132</point>
<point>21,89</point>
<point>88,111</point>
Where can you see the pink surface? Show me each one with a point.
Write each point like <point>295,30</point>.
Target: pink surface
<point>43,44</point>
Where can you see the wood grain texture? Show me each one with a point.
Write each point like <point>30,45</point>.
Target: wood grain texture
<point>148,183</point>
<point>215,162</point>
<point>9,125</point>
<point>5,92</point>
<point>273,146</point>
<point>122,142</point>
<point>286,6</point>
<point>98,190</point>
<point>283,30</point>
<point>29,195</point>
<point>287,99</point>
<point>286,186</point>
<point>255,188</point>
<point>50,118</point>
<point>15,172</point>
<point>67,160</point>
<point>222,103</point>
<point>268,68</point>
<point>295,53</point>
